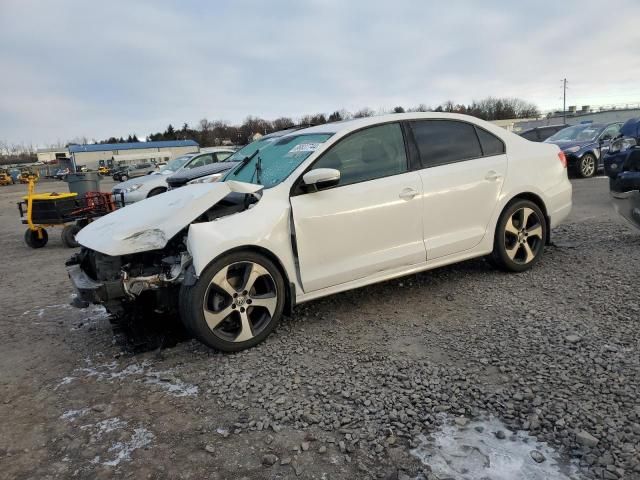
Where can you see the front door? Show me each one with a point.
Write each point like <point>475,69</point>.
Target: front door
<point>371,222</point>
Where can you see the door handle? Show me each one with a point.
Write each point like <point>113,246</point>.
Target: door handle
<point>408,193</point>
<point>492,176</point>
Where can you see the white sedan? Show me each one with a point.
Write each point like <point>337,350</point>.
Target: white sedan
<point>323,210</point>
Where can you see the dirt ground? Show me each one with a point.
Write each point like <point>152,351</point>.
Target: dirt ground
<point>317,398</point>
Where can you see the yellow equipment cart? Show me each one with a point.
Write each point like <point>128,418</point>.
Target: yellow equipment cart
<point>69,210</point>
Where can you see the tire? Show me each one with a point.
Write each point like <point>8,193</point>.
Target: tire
<point>587,165</point>
<point>226,289</point>
<point>156,191</point>
<point>68,235</point>
<point>32,240</point>
<point>520,237</point>
<point>124,178</point>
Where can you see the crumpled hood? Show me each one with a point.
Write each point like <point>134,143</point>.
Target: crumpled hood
<point>151,223</point>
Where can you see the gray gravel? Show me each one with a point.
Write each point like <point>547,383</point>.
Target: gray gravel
<point>345,388</point>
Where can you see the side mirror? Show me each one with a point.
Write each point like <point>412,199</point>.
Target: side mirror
<point>320,178</point>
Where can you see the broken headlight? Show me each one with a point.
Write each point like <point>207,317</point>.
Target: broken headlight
<point>622,144</point>
<point>215,177</point>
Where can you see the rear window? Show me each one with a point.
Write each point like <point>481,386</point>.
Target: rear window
<point>531,135</point>
<point>445,141</point>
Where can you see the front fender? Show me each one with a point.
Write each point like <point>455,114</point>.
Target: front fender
<point>265,225</point>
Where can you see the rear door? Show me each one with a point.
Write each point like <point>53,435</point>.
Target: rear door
<point>464,168</point>
<point>371,222</point>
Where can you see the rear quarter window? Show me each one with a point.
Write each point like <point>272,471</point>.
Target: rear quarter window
<point>491,145</point>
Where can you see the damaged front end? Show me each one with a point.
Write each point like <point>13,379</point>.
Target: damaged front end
<point>148,280</point>
<point>134,260</point>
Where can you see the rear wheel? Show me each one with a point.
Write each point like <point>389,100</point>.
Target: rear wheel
<point>520,237</point>
<point>587,165</point>
<point>69,233</point>
<point>33,240</point>
<point>236,303</point>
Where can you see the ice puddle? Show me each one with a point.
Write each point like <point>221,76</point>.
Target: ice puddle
<point>473,452</point>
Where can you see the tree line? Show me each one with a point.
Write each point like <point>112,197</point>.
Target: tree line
<point>211,133</point>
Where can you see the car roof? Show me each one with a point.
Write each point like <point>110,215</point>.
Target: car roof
<point>345,126</point>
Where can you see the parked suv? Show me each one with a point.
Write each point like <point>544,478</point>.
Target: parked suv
<point>584,144</point>
<point>622,166</point>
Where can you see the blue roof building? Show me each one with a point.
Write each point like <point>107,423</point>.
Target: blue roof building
<point>95,155</point>
<point>101,147</point>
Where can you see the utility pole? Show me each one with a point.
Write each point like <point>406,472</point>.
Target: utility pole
<point>564,101</point>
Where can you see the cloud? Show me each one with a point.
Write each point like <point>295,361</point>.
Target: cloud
<point>96,69</point>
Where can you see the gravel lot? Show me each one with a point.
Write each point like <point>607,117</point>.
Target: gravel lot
<point>365,384</point>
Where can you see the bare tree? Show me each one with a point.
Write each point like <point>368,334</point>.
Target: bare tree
<point>364,112</point>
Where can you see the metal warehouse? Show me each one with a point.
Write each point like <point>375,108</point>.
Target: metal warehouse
<point>92,156</point>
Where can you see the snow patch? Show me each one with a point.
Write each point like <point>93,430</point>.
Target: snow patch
<point>172,385</point>
<point>141,438</point>
<point>105,426</point>
<point>40,311</point>
<point>72,415</point>
<point>141,372</point>
<point>64,381</point>
<point>473,451</point>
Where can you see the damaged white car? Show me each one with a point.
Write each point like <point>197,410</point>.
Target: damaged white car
<point>323,210</point>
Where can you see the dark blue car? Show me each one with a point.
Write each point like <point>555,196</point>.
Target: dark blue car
<point>622,166</point>
<point>584,145</point>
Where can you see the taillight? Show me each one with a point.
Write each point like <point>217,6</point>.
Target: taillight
<point>563,159</point>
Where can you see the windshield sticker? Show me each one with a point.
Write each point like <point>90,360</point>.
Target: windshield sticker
<point>304,147</point>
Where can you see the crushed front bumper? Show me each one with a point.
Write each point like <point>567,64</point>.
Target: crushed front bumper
<point>89,290</point>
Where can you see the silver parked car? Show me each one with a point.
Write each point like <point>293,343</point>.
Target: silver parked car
<point>146,186</point>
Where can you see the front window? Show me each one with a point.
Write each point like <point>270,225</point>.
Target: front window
<point>577,133</point>
<point>611,132</point>
<point>200,161</point>
<point>175,165</point>
<point>251,148</point>
<point>276,160</point>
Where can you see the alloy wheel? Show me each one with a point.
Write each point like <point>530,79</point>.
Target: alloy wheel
<point>523,236</point>
<point>240,301</point>
<point>587,166</point>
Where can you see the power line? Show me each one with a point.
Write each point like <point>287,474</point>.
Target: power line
<point>564,100</point>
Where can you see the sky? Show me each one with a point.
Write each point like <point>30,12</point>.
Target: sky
<point>97,69</point>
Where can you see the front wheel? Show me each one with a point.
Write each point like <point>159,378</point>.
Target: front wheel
<point>520,237</point>
<point>587,165</point>
<point>236,303</point>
